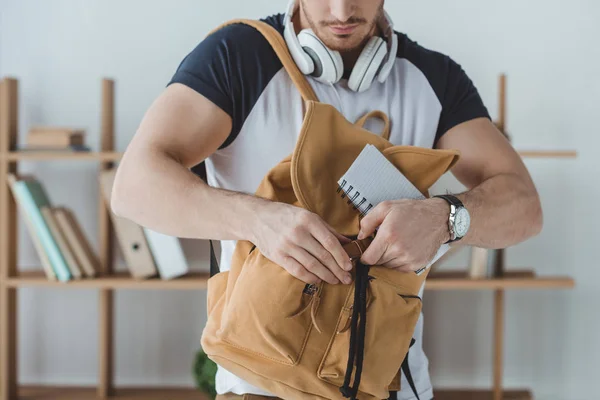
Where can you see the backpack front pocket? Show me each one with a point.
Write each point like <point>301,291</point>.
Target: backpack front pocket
<point>391,317</point>
<point>270,312</point>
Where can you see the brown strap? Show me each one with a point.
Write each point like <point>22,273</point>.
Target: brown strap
<point>356,248</point>
<point>279,46</point>
<point>377,114</point>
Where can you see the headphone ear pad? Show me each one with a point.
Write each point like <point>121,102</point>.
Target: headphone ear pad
<point>368,64</point>
<point>329,66</point>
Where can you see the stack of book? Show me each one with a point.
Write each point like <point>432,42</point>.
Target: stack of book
<point>42,138</point>
<point>64,251</point>
<point>147,253</point>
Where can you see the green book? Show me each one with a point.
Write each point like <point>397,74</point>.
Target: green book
<point>33,197</point>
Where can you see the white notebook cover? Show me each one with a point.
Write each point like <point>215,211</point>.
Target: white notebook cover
<point>168,254</point>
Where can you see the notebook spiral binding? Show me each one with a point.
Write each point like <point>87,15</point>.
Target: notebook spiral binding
<point>345,190</point>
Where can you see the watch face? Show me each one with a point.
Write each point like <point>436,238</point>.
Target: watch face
<point>462,222</point>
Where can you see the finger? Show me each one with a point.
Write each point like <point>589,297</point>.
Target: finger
<point>372,220</point>
<point>332,245</point>
<point>321,253</point>
<point>341,238</point>
<point>298,271</point>
<point>374,252</point>
<point>313,265</point>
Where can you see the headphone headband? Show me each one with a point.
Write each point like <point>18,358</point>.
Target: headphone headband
<point>304,63</point>
<point>392,41</point>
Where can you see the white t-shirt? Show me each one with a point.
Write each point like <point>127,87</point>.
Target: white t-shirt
<point>426,94</point>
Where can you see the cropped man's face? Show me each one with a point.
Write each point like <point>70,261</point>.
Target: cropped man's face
<point>343,25</point>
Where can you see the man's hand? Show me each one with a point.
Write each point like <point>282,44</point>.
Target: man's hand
<point>409,233</point>
<point>302,243</point>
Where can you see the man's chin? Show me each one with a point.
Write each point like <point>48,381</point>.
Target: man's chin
<point>342,43</point>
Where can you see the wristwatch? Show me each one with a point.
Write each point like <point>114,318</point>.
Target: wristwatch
<point>459,219</point>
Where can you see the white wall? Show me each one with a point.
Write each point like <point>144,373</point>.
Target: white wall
<point>60,49</point>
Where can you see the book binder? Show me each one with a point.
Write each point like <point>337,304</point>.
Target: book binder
<point>130,236</point>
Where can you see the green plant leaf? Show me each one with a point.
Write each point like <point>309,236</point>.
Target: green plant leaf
<point>204,371</point>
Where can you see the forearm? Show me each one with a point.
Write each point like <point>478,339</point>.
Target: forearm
<point>505,210</point>
<point>156,191</point>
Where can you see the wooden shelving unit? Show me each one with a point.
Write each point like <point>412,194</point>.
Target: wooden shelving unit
<point>505,279</point>
<point>11,279</point>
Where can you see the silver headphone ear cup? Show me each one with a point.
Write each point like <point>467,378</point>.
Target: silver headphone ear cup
<point>329,66</point>
<point>368,64</point>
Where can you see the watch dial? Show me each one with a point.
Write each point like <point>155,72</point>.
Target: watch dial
<point>462,222</point>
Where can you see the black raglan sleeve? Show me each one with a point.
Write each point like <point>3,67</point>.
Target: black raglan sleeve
<point>230,67</point>
<point>460,99</point>
<point>207,69</point>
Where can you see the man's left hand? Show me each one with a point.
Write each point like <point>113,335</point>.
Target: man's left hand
<point>409,233</point>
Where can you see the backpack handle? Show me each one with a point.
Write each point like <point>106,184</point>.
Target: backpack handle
<point>376,114</point>
<point>279,46</point>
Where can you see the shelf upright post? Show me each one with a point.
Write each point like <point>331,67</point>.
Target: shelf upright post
<point>498,343</point>
<point>106,307</point>
<point>499,259</point>
<point>8,241</point>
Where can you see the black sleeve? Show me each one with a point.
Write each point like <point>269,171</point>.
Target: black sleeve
<point>460,99</point>
<point>230,67</point>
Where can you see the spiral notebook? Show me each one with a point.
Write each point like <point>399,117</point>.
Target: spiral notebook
<point>371,179</point>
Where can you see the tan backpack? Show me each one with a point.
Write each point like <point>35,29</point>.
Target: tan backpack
<point>301,341</point>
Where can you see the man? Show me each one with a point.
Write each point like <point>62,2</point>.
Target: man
<point>230,103</point>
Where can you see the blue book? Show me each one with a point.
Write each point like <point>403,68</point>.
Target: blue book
<point>32,196</point>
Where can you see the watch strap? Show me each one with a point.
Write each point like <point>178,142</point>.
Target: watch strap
<point>453,201</point>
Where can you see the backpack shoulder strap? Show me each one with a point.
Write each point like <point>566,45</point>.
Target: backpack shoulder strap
<point>279,46</point>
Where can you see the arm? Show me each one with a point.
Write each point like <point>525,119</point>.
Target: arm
<point>502,199</point>
<point>155,188</point>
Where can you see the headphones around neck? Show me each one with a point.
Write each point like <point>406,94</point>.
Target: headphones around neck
<point>314,58</point>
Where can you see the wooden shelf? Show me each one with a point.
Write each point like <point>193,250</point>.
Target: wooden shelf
<point>442,280</point>
<point>78,393</point>
<point>122,280</point>
<point>548,153</point>
<point>48,155</point>
<point>513,279</point>
<point>460,394</point>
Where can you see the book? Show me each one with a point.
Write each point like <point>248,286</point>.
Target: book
<point>130,235</point>
<point>37,243</point>
<point>78,242</point>
<point>168,254</point>
<point>368,182</point>
<point>478,263</point>
<point>61,241</point>
<point>31,196</point>
<point>54,137</point>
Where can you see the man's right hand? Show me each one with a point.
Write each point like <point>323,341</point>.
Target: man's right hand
<point>303,243</point>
